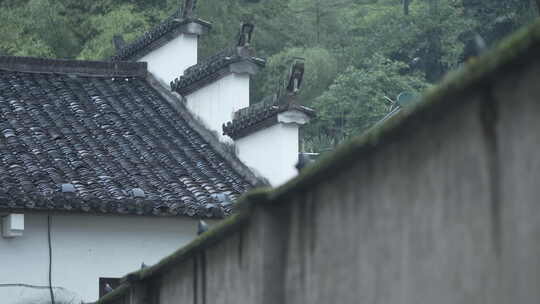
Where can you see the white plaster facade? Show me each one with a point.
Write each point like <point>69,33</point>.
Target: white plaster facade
<point>170,60</point>
<point>84,248</point>
<point>271,152</point>
<point>215,103</point>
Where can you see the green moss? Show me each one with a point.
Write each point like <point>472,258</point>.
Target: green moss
<point>248,200</point>
<point>512,54</point>
<point>116,294</point>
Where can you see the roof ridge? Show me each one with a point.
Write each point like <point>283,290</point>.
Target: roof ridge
<point>221,63</point>
<point>225,52</point>
<point>214,67</point>
<point>158,35</point>
<point>262,114</point>
<point>71,66</point>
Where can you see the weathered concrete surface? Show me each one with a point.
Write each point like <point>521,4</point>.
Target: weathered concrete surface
<point>412,223</point>
<point>443,208</point>
<point>519,187</point>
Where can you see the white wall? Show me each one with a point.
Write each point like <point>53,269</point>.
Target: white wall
<point>85,247</point>
<point>215,103</point>
<point>170,60</point>
<point>271,152</point>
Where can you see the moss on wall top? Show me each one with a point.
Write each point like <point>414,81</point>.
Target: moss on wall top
<point>511,56</point>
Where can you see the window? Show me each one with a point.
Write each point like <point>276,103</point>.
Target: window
<point>113,282</point>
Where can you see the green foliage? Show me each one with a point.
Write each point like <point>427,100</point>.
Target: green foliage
<point>430,33</point>
<point>320,71</point>
<point>358,52</point>
<point>122,20</point>
<point>360,97</point>
<point>47,20</point>
<point>12,31</point>
<point>226,19</point>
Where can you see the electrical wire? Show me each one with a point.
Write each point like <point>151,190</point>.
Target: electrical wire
<point>27,286</point>
<point>50,257</point>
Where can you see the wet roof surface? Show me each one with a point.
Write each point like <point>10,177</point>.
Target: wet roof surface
<point>105,144</point>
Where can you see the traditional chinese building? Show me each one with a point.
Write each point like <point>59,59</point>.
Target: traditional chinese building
<point>108,165</point>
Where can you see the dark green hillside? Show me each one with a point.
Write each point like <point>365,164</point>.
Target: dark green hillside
<point>360,54</point>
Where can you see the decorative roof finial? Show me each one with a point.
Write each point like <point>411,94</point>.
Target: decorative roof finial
<point>118,42</point>
<point>188,9</point>
<point>296,76</point>
<point>245,34</point>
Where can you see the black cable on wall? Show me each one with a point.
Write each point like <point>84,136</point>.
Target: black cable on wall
<point>50,257</point>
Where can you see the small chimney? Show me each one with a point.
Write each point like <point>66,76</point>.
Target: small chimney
<point>118,42</point>
<point>244,36</point>
<point>296,76</point>
<point>266,134</point>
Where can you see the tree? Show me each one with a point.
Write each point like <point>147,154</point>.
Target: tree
<point>320,71</point>
<point>429,35</point>
<point>356,51</point>
<point>47,20</point>
<point>358,97</point>
<point>123,20</point>
<point>318,20</point>
<point>495,19</point>
<point>11,34</point>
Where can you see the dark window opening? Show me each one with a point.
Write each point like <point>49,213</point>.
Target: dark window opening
<point>113,283</point>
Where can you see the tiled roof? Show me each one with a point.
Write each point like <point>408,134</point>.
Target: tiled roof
<point>261,115</point>
<point>265,113</point>
<point>213,68</point>
<point>157,36</point>
<point>104,138</point>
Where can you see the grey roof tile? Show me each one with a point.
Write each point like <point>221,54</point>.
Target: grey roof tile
<point>213,68</point>
<point>103,144</point>
<point>157,36</point>
<point>261,115</point>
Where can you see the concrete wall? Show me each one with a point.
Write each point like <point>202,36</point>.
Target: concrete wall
<point>216,102</point>
<point>85,248</point>
<point>271,152</point>
<point>439,205</point>
<point>170,60</point>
